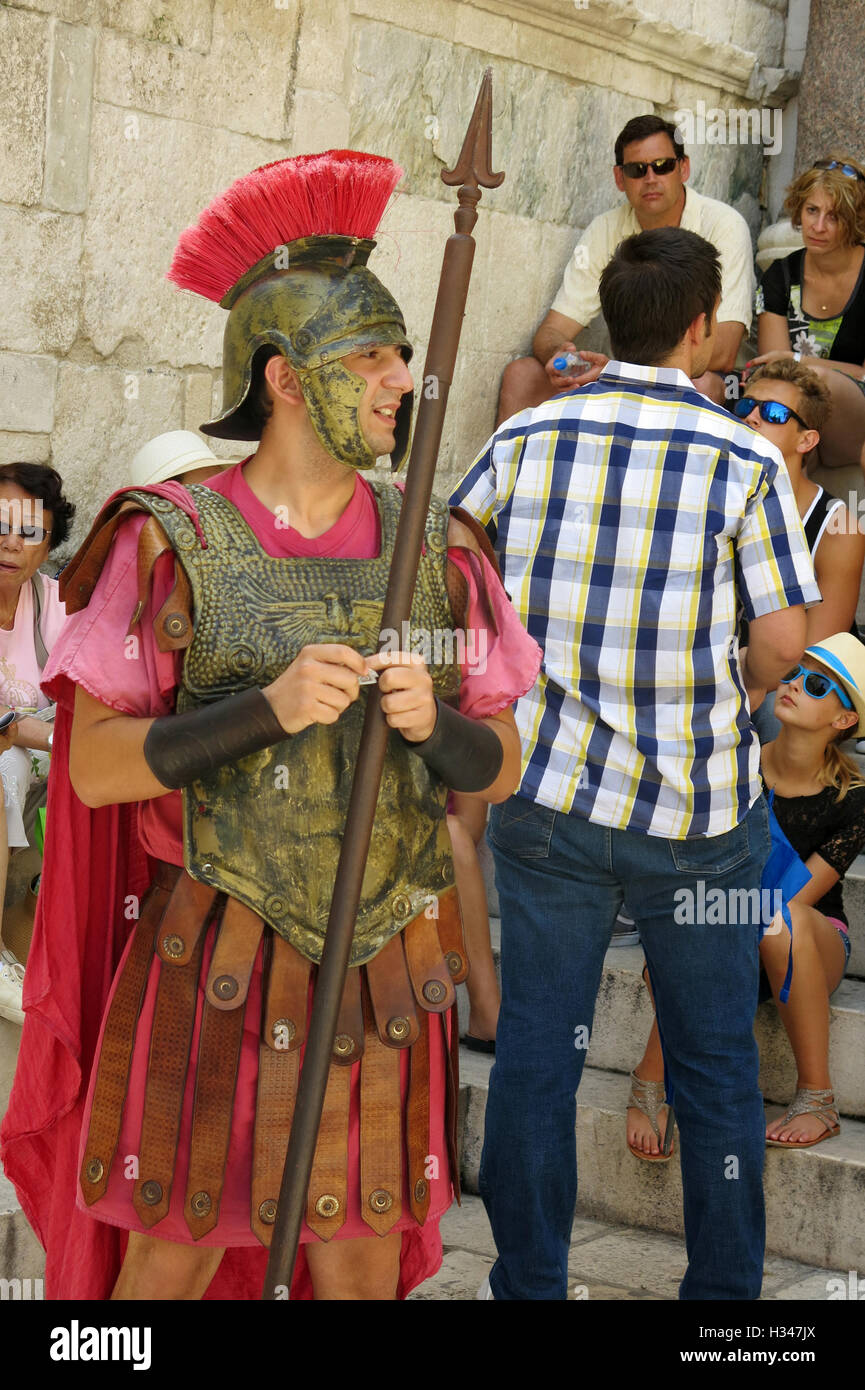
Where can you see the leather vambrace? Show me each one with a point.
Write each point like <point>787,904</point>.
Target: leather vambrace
<point>465,753</point>
<point>183,748</point>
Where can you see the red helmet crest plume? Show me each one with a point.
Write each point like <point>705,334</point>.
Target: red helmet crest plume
<point>342,192</point>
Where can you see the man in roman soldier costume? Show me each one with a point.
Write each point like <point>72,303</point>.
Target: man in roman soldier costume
<point>216,672</point>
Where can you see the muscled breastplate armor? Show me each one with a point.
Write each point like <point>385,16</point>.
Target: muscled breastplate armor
<point>267,829</point>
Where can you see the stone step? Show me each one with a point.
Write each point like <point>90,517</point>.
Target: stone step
<point>607,1262</point>
<point>623,1017</point>
<point>815,1200</point>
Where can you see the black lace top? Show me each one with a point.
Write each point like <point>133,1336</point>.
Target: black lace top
<point>822,825</point>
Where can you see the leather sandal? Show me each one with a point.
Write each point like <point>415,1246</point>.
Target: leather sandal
<point>648,1097</point>
<point>805,1102</point>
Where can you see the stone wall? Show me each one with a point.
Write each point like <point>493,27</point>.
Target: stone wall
<point>120,119</point>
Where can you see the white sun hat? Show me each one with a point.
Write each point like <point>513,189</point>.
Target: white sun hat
<point>178,451</point>
<point>844,655</point>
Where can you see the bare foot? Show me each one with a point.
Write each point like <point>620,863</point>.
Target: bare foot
<point>640,1133</point>
<point>802,1129</point>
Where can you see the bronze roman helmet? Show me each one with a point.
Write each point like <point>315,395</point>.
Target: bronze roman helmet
<point>310,296</point>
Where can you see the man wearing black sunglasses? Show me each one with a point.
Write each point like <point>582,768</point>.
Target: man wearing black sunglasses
<point>651,170</point>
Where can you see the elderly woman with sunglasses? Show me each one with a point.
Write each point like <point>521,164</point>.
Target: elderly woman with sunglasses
<point>34,518</point>
<point>818,797</point>
<point>811,304</point>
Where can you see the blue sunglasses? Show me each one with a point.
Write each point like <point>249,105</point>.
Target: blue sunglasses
<point>773,412</point>
<point>847,169</point>
<point>817,685</point>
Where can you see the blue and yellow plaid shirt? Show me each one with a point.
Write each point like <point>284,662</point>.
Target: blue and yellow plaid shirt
<point>633,519</point>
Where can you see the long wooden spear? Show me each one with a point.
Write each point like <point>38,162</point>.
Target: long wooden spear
<point>472,171</point>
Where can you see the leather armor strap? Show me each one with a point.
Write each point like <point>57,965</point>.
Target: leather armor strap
<point>349,1041</point>
<point>380,1132</point>
<point>465,753</point>
<point>391,996</point>
<point>430,976</point>
<point>233,956</point>
<point>417,1124</point>
<point>215,1083</point>
<point>328,1184</point>
<point>478,541</point>
<point>173,1020</point>
<point>173,623</point>
<point>449,925</point>
<point>112,1077</point>
<point>277,1092</point>
<point>185,919</point>
<point>284,1023</point>
<point>184,748</point>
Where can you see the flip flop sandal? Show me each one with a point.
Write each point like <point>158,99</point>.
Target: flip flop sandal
<point>819,1103</point>
<point>648,1097</point>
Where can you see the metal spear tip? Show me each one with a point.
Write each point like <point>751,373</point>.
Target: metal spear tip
<point>474,166</point>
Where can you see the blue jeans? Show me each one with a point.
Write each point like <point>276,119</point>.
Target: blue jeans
<point>561,881</point>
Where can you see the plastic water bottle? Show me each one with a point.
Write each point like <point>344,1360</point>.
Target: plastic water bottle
<point>571,359</point>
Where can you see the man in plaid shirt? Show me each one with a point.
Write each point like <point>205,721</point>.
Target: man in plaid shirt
<point>633,518</point>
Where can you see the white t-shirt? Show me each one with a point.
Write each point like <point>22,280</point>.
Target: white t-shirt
<point>720,224</point>
<point>19,669</point>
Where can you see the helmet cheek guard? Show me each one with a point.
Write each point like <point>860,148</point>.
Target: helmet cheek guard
<point>333,394</point>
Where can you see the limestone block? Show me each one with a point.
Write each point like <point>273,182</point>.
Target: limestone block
<point>680,13</point>
<point>150,178</point>
<point>715,21</point>
<point>433,17</point>
<point>241,84</point>
<point>321,121</point>
<point>184,23</point>
<point>27,393</point>
<point>411,240</point>
<point>42,253</point>
<point>24,49</point>
<point>567,54</point>
<point>24,448</point>
<point>68,134</point>
<point>642,1261</point>
<point>104,415</point>
<point>413,100</point>
<point>484,30</point>
<point>197,400</point>
<point>759,30</point>
<point>459,1277</point>
<point>322,46</point>
<point>75,11</point>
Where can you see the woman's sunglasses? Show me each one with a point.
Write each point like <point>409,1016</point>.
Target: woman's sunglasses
<point>773,412</point>
<point>637,169</point>
<point>817,685</point>
<point>848,169</point>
